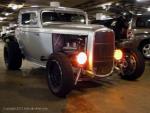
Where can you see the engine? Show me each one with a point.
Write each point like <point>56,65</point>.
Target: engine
<point>69,44</point>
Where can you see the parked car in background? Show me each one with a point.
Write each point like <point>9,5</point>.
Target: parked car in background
<point>3,31</point>
<point>10,32</point>
<point>0,34</point>
<point>139,31</point>
<point>134,30</point>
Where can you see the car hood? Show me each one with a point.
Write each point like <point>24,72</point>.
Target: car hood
<point>76,27</point>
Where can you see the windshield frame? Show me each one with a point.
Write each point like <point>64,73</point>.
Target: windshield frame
<point>60,22</point>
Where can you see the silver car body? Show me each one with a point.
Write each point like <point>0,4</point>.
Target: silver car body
<point>35,40</point>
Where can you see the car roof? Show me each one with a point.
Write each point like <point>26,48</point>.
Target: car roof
<point>51,8</point>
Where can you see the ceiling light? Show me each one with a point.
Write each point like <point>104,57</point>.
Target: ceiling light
<point>15,6</point>
<point>34,6</point>
<point>6,13</point>
<point>139,0</point>
<point>11,5</point>
<point>20,6</point>
<point>142,0</point>
<point>117,4</point>
<point>139,14</point>
<point>148,9</point>
<point>105,4</point>
<point>146,32</point>
<point>2,18</point>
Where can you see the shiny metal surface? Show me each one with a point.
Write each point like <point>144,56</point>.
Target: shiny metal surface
<point>35,40</point>
<point>104,45</point>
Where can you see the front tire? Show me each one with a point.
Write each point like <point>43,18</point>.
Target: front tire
<point>60,75</point>
<point>133,65</point>
<point>12,55</point>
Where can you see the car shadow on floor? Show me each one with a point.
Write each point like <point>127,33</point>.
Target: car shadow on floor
<point>32,83</point>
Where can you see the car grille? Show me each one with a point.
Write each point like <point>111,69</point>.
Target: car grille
<point>103,52</point>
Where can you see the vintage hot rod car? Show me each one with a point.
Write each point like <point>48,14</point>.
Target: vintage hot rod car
<point>61,40</point>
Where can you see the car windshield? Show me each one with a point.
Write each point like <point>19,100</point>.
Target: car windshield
<point>143,22</point>
<point>48,17</point>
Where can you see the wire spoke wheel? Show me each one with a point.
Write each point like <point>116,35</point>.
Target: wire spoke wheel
<point>129,65</point>
<point>133,65</point>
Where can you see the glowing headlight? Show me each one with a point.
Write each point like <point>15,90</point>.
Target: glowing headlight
<point>118,54</point>
<point>81,58</point>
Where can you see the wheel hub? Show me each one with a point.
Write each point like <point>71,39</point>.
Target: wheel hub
<point>129,65</point>
<point>146,50</point>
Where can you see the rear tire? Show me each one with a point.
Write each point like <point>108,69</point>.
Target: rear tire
<point>12,55</point>
<point>133,66</point>
<point>60,75</point>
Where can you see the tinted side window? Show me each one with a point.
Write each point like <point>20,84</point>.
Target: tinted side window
<point>49,16</point>
<point>27,18</point>
<point>63,17</point>
<point>143,22</point>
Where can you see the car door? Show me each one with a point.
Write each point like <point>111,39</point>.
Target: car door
<point>29,34</point>
<point>36,42</point>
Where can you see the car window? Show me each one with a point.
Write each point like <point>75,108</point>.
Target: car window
<point>143,22</point>
<point>28,18</point>
<point>62,17</point>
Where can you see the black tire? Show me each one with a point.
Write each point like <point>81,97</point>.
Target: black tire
<point>12,55</point>
<point>60,75</point>
<point>145,49</point>
<point>134,65</point>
